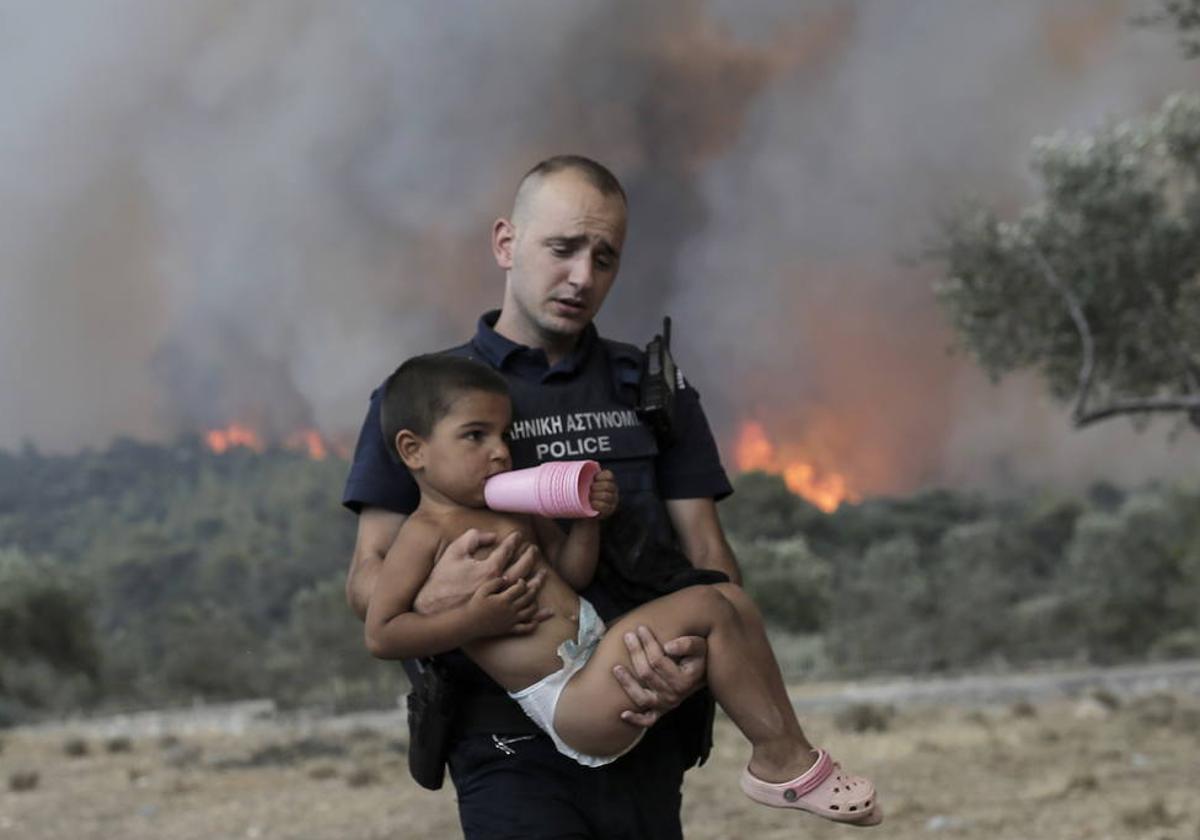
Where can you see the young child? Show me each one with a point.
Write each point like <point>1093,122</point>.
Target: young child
<point>447,418</point>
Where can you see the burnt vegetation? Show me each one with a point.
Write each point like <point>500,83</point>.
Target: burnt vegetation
<point>150,575</point>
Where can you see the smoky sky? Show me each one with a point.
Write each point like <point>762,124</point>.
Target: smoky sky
<point>219,210</point>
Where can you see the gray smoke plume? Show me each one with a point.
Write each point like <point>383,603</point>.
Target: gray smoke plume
<point>218,211</point>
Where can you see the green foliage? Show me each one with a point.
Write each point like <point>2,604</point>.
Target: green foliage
<point>788,582</point>
<point>764,509</point>
<point>1184,17</point>
<point>940,580</point>
<point>48,658</point>
<point>983,570</point>
<point>883,607</point>
<point>193,560</point>
<point>1116,237</point>
<point>152,575</point>
<point>318,659</point>
<point>924,516</point>
<point>1123,571</point>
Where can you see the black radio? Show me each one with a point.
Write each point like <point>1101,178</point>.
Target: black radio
<point>658,387</point>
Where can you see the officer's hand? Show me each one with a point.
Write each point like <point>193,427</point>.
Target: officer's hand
<point>524,587</point>
<point>497,609</point>
<point>458,573</point>
<point>603,496</point>
<point>663,675</point>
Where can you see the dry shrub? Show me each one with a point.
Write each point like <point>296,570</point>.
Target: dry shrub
<point>76,747</point>
<point>286,755</point>
<point>119,744</point>
<point>864,717</point>
<point>362,777</point>
<point>1023,709</point>
<point>181,755</point>
<point>1050,736</point>
<point>1153,815</point>
<point>1107,699</point>
<point>1082,783</point>
<point>1157,709</point>
<point>363,733</point>
<point>323,771</point>
<point>22,780</point>
<point>978,717</point>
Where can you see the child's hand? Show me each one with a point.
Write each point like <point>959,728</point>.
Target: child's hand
<point>501,609</point>
<point>603,497</point>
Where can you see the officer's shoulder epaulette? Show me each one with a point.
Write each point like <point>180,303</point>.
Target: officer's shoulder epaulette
<point>625,365</point>
<point>620,351</point>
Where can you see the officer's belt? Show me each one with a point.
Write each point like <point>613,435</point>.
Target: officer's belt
<point>483,712</point>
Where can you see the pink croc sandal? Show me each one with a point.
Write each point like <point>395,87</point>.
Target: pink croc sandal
<point>823,790</point>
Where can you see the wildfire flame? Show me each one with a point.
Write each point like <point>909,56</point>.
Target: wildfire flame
<point>755,451</point>
<point>235,434</point>
<point>307,441</point>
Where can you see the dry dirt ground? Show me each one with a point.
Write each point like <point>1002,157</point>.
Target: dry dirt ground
<point>1096,766</point>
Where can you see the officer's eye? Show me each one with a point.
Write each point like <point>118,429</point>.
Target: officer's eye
<point>603,262</point>
<point>560,250</point>
<point>474,436</point>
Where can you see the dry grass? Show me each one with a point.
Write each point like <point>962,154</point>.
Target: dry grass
<point>1055,771</point>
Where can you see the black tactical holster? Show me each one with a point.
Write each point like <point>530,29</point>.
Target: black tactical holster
<point>431,707</point>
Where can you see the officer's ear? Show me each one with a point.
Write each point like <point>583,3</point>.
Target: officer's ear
<point>411,449</point>
<point>504,234</point>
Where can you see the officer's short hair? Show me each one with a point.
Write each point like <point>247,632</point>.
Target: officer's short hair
<point>420,392</point>
<point>596,174</point>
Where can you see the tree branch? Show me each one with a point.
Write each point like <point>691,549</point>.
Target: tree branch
<point>1080,415</point>
<point>1088,366</point>
<point>1138,406</point>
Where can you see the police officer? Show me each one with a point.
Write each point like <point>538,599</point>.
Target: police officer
<point>574,395</point>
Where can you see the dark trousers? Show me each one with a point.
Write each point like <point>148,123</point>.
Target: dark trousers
<point>524,789</point>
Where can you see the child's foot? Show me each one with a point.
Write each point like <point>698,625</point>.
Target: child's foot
<point>823,790</point>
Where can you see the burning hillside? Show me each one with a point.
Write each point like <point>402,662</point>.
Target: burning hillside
<point>309,442</point>
<point>825,488</point>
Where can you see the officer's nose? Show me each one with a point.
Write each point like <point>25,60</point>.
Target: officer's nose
<point>582,272</point>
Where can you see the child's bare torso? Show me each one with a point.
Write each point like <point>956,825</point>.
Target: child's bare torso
<point>515,661</point>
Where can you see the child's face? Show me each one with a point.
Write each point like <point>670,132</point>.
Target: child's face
<point>467,447</point>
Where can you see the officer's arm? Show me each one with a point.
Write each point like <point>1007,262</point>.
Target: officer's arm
<point>459,574</point>
<point>394,631</point>
<point>377,530</point>
<point>453,580</point>
<point>701,536</point>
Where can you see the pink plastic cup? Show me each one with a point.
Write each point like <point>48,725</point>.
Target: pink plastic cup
<point>556,489</point>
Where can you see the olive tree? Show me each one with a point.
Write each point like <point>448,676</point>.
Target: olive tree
<point>1096,285</point>
<point>1181,15</point>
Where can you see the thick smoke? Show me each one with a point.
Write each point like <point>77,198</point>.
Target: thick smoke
<point>217,211</point>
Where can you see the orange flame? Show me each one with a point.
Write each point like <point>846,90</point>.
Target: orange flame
<point>755,451</point>
<point>308,441</point>
<point>235,434</point>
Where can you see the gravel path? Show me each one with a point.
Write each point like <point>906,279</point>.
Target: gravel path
<point>261,716</point>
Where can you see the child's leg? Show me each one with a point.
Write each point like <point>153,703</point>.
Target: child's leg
<point>742,673</point>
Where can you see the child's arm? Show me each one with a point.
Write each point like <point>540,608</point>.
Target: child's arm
<point>575,554</point>
<point>394,631</point>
